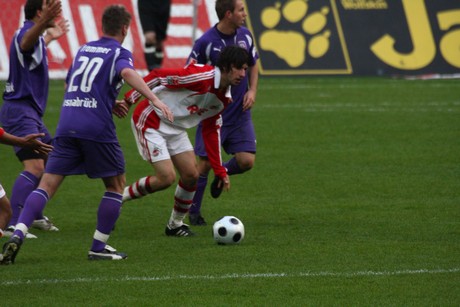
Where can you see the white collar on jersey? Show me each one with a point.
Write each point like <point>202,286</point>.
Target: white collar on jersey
<point>217,76</point>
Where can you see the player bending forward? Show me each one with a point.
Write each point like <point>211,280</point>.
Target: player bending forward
<point>196,93</point>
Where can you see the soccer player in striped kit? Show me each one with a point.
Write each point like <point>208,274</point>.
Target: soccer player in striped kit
<point>195,94</point>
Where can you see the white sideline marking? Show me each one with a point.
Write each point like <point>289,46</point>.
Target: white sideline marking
<point>328,85</point>
<point>230,276</point>
<point>311,106</point>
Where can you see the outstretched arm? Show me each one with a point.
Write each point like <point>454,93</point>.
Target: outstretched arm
<point>59,29</point>
<point>29,141</point>
<point>49,12</point>
<point>136,82</point>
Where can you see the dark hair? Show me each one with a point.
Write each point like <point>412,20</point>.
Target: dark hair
<point>31,8</point>
<point>222,6</point>
<point>232,56</point>
<point>114,18</point>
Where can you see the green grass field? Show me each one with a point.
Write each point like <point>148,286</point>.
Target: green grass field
<point>354,201</point>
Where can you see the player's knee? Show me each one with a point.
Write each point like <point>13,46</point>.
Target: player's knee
<point>150,38</point>
<point>166,180</point>
<point>246,163</point>
<point>190,179</point>
<point>203,166</point>
<point>36,167</point>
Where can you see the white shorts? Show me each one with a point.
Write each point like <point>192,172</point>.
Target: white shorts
<point>2,191</point>
<point>157,145</point>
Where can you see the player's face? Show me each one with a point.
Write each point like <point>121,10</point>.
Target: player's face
<point>239,14</point>
<point>236,75</point>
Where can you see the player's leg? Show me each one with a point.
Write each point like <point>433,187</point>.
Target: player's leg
<point>25,183</point>
<point>107,215</point>
<point>36,202</point>
<point>148,16</point>
<point>204,167</point>
<point>5,210</point>
<point>33,163</point>
<point>195,216</point>
<point>161,20</point>
<point>153,148</point>
<point>240,141</point>
<point>145,16</point>
<point>34,205</point>
<point>105,161</point>
<point>185,164</point>
<point>184,160</point>
<point>164,177</point>
<point>240,163</point>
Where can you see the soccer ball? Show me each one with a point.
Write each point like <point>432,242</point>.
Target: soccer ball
<point>228,230</point>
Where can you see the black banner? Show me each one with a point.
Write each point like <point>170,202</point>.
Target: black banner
<point>362,37</point>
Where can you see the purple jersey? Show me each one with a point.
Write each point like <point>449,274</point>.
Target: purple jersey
<point>93,84</point>
<point>28,79</point>
<point>206,50</point>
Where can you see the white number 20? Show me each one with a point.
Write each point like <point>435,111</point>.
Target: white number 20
<point>89,69</point>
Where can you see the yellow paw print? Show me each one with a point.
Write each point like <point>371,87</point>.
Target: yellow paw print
<point>294,46</point>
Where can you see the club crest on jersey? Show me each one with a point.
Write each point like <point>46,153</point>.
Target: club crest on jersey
<point>156,152</point>
<point>172,80</point>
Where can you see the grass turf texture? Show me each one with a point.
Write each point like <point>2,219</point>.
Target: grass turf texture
<point>354,200</point>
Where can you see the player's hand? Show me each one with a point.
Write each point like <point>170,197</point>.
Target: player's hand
<point>167,113</point>
<point>30,141</point>
<point>121,108</point>
<point>224,183</point>
<point>249,100</point>
<point>60,28</point>
<point>52,10</point>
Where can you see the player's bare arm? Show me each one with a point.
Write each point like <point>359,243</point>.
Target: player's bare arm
<point>135,81</point>
<point>60,28</point>
<point>44,20</point>
<point>29,141</point>
<point>250,97</point>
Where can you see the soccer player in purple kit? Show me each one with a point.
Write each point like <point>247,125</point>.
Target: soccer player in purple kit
<point>26,95</point>
<point>237,133</point>
<point>86,141</point>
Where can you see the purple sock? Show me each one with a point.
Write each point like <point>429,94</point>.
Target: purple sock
<point>232,167</point>
<point>107,215</point>
<point>24,185</point>
<point>198,198</point>
<point>33,207</point>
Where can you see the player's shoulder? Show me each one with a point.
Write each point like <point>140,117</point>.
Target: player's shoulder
<point>244,30</point>
<point>209,36</point>
<point>194,67</point>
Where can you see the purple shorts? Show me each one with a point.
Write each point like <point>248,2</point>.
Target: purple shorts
<point>74,156</point>
<point>20,119</point>
<point>239,137</point>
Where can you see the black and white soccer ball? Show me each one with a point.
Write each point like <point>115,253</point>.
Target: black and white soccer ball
<point>228,230</point>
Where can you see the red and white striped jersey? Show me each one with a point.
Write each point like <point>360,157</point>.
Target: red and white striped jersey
<point>192,93</point>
